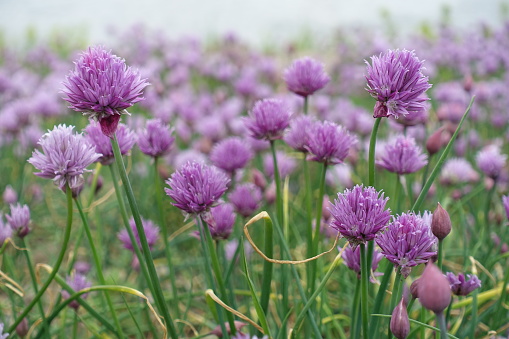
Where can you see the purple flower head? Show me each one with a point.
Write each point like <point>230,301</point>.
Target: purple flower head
<point>396,81</point>
<point>352,259</point>
<point>305,76</point>
<point>457,171</point>
<point>221,221</point>
<point>402,156</point>
<point>77,282</point>
<point>461,286</point>
<point>329,143</point>
<point>407,242</point>
<point>19,219</point>
<point>231,154</point>
<point>151,233</point>
<point>297,137</point>
<point>268,119</point>
<point>505,201</point>
<point>103,87</point>
<point>156,139</point>
<point>9,196</point>
<point>125,137</point>
<point>5,230</point>
<point>490,161</point>
<point>196,187</point>
<point>285,164</point>
<point>359,214</point>
<point>64,158</point>
<point>246,199</point>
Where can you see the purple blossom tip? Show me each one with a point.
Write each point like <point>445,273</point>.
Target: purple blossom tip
<point>329,143</point>
<point>151,233</point>
<point>156,138</point>
<point>246,199</point>
<point>461,285</point>
<point>96,137</point>
<point>268,119</point>
<point>491,161</point>
<point>305,76</point>
<point>231,154</point>
<point>77,282</point>
<point>402,156</point>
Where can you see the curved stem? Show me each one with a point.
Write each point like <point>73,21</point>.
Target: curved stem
<point>158,293</point>
<point>98,265</point>
<point>67,235</point>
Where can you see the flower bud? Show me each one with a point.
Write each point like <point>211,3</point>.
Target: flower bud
<point>440,223</point>
<point>400,324</point>
<point>259,179</point>
<point>22,328</point>
<point>414,288</point>
<point>435,141</point>
<point>434,290</point>
<point>9,196</point>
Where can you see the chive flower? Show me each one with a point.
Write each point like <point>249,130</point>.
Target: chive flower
<point>151,233</point>
<point>359,214</point>
<point>5,230</point>
<point>125,137</point>
<point>461,285</point>
<point>297,136</point>
<point>156,138</point>
<point>64,157</point>
<point>231,154</point>
<point>329,143</point>
<point>77,282</point>
<point>305,76</point>
<point>490,161</point>
<point>402,156</point>
<point>245,198</point>
<point>396,81</point>
<point>221,221</point>
<point>19,219</point>
<point>268,119</point>
<point>102,86</point>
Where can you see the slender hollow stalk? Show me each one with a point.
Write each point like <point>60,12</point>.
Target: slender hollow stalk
<point>364,291</point>
<point>355,328</point>
<point>474,313</point>
<point>442,325</point>
<point>60,258</point>
<point>306,105</point>
<point>267,266</point>
<point>167,249</point>
<point>98,266</point>
<point>440,253</point>
<point>158,295</point>
<point>279,191</point>
<point>371,154</point>
<point>34,283</point>
<point>318,220</point>
<point>396,291</point>
<point>379,300</point>
<point>309,221</point>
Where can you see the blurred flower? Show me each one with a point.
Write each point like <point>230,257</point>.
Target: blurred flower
<point>77,282</point>
<point>461,286</point>
<point>433,289</point>
<point>125,137</point>
<point>268,119</point>
<point>457,171</point>
<point>286,165</point>
<point>352,259</point>
<point>5,230</point>
<point>82,267</point>
<point>359,214</point>
<point>221,221</point>
<point>151,233</point>
<point>103,87</point>
<point>505,201</point>
<point>490,161</point>
<point>305,76</point>
<point>156,138</point>
<point>2,334</point>
<point>402,156</point>
<point>9,196</point>
<point>231,154</point>
<point>238,326</point>
<point>396,81</point>
<point>407,242</point>
<point>196,187</point>
<point>297,137</point>
<point>65,158</point>
<point>19,219</point>
<point>246,199</point>
<point>329,143</point>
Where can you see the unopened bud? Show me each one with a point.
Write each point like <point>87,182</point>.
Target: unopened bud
<point>325,208</point>
<point>414,288</point>
<point>440,223</point>
<point>259,179</point>
<point>437,140</point>
<point>10,196</point>
<point>400,324</point>
<point>270,193</point>
<point>22,328</point>
<point>434,290</point>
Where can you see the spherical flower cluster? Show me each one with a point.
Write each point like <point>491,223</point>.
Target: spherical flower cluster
<point>407,242</point>
<point>329,143</point>
<point>305,76</point>
<point>221,221</point>
<point>457,171</point>
<point>156,138</point>
<point>462,286</point>
<point>352,259</point>
<point>125,137</point>
<point>64,158</point>
<point>246,199</point>
<point>297,137</point>
<point>77,282</point>
<point>402,156</point>
<point>490,161</point>
<point>103,87</point>
<point>5,230</point>
<point>396,81</point>
<point>151,233</point>
<point>231,154</point>
<point>196,187</point>
<point>19,219</point>
<point>268,119</point>
<point>286,164</point>
<point>359,214</point>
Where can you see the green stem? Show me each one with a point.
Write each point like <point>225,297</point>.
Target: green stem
<point>277,179</point>
<point>158,295</point>
<point>34,283</point>
<point>75,326</point>
<point>379,299</point>
<point>267,266</point>
<point>306,105</point>
<point>60,258</point>
<point>440,253</point>
<point>487,228</point>
<point>219,276</point>
<point>318,220</point>
<point>364,291</point>
<point>396,291</point>
<point>355,328</point>
<point>309,221</point>
<point>442,325</point>
<point>474,313</point>
<point>167,248</point>
<point>371,154</point>
<point>98,266</point>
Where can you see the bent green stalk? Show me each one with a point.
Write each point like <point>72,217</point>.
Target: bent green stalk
<point>67,235</point>
<point>158,293</point>
<point>98,266</point>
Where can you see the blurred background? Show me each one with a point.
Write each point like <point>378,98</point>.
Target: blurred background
<point>258,22</point>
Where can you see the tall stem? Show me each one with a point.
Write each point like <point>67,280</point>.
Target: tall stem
<point>364,292</point>
<point>67,235</point>
<point>318,220</point>
<point>98,266</point>
<point>442,325</point>
<point>371,154</point>
<point>158,295</point>
<point>277,179</point>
